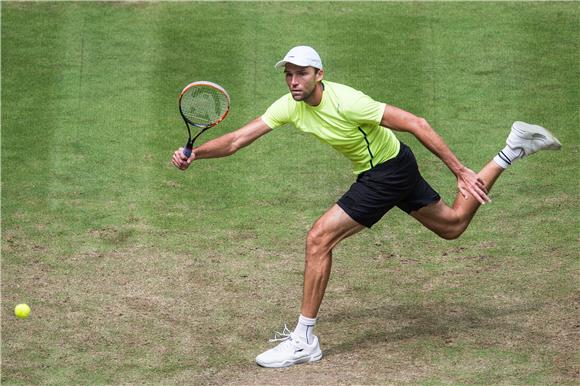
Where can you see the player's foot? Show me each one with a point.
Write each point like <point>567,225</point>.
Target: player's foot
<point>291,351</point>
<point>531,138</point>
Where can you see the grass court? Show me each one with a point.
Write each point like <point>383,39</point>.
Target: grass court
<point>139,273</point>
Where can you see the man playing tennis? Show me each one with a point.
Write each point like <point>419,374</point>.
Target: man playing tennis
<point>387,175</point>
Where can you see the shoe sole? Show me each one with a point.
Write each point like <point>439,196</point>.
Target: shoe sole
<point>538,132</point>
<point>314,358</point>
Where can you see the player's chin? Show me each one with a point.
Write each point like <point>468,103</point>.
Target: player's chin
<point>297,96</point>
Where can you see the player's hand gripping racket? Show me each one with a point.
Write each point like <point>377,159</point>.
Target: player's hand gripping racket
<point>202,106</point>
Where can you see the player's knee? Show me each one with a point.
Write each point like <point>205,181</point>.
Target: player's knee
<point>316,240</point>
<point>452,229</point>
<point>452,232</point>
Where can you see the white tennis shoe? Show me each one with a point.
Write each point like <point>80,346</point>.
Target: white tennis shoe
<point>531,138</point>
<point>292,351</point>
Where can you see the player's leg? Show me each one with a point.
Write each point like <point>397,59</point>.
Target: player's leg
<point>301,345</point>
<point>451,222</point>
<point>335,225</point>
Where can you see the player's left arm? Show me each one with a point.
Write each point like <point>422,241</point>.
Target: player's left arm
<point>467,180</point>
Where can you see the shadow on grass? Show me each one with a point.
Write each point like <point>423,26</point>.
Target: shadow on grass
<point>444,321</point>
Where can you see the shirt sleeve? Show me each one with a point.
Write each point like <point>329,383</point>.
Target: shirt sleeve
<point>278,113</point>
<point>364,110</point>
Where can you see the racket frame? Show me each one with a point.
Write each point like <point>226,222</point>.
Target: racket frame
<point>204,83</point>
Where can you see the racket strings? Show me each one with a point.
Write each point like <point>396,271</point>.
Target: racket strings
<point>203,105</point>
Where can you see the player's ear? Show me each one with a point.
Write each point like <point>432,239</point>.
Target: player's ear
<point>319,75</point>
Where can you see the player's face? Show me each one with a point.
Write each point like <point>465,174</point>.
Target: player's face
<point>302,81</point>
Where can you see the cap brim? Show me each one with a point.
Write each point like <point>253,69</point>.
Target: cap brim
<point>280,64</point>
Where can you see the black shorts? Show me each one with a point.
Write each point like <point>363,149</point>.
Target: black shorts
<point>396,182</point>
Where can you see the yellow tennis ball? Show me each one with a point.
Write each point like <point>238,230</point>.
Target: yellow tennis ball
<point>22,311</point>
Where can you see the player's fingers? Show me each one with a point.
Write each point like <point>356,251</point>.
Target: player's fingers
<point>469,190</point>
<point>179,152</point>
<point>177,164</point>
<point>481,185</point>
<point>477,197</point>
<point>485,196</point>
<point>179,160</point>
<point>480,195</point>
<point>176,160</point>
<point>182,157</point>
<point>482,190</point>
<point>463,192</point>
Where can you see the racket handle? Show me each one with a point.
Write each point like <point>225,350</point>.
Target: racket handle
<point>187,149</point>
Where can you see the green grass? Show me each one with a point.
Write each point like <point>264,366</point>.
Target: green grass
<point>139,273</point>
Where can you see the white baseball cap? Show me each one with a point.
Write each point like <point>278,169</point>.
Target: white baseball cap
<point>303,56</point>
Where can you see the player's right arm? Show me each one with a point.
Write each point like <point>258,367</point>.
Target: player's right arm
<point>225,145</point>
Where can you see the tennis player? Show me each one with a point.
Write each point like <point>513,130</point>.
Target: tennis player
<point>387,175</point>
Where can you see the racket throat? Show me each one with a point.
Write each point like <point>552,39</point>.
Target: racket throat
<point>198,134</point>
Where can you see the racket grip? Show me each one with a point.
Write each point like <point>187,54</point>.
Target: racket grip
<point>187,149</point>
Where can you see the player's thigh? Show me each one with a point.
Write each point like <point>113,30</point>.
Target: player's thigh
<point>334,225</point>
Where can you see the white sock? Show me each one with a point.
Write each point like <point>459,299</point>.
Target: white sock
<point>507,156</point>
<point>305,328</point>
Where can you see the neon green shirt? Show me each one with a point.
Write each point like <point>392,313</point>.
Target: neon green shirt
<point>346,119</point>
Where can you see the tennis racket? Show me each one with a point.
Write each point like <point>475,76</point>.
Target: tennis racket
<point>202,105</point>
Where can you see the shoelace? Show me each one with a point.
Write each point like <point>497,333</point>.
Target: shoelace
<point>281,336</point>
